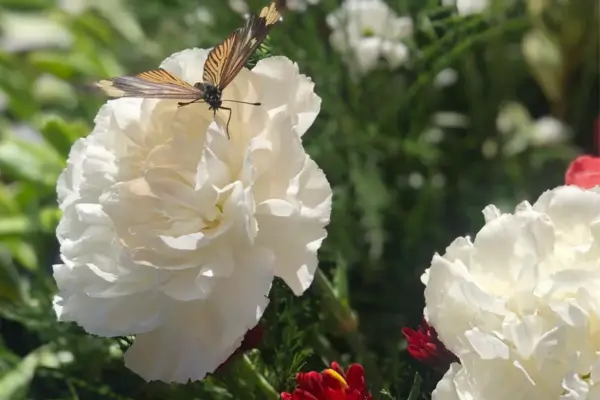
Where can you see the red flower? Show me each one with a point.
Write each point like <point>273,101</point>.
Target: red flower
<point>584,172</point>
<point>424,345</point>
<point>331,384</point>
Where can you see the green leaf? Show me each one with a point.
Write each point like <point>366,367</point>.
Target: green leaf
<point>65,66</point>
<point>15,225</point>
<point>49,217</point>
<point>546,62</point>
<point>8,203</point>
<point>340,278</point>
<point>15,382</point>
<point>32,162</point>
<point>60,134</point>
<point>23,253</point>
<point>122,19</point>
<point>25,4</point>
<point>415,390</point>
<point>10,289</point>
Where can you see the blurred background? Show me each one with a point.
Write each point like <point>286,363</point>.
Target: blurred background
<point>432,109</point>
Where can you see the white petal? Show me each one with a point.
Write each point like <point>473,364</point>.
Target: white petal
<point>282,86</point>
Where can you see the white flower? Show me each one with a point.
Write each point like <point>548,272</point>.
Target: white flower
<point>519,305</point>
<point>446,77</point>
<point>204,15</point>
<point>299,5</point>
<point>25,31</point>
<point>521,131</point>
<point>366,30</point>
<point>73,7</point>
<point>173,232</point>
<point>547,131</point>
<point>241,6</point>
<point>468,7</point>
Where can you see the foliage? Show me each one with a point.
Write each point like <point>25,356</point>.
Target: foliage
<point>411,163</point>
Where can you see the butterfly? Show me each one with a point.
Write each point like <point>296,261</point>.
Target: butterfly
<point>222,65</point>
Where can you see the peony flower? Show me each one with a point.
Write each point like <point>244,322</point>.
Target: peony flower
<point>173,232</point>
<point>331,384</point>
<point>519,305</point>
<point>584,172</point>
<point>424,346</point>
<point>365,31</point>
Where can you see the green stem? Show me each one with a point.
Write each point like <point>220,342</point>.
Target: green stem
<point>246,368</point>
<point>347,322</point>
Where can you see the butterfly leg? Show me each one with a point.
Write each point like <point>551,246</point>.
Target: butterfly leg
<point>181,104</point>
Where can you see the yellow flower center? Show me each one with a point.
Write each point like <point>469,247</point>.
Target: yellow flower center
<point>368,32</point>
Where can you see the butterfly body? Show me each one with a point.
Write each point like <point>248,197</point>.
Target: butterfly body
<point>212,95</point>
<point>222,65</point>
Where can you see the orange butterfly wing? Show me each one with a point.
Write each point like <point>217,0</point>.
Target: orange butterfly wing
<point>157,83</point>
<point>226,60</point>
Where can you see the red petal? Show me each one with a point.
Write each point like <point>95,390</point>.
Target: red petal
<point>336,367</point>
<point>355,376</point>
<point>584,172</point>
<point>300,394</point>
<point>336,395</point>
<point>311,382</point>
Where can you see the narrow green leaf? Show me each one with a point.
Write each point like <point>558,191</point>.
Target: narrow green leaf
<point>16,381</point>
<point>415,390</point>
<point>15,225</point>
<point>48,218</point>
<point>8,203</point>
<point>23,253</point>
<point>32,162</point>
<point>60,134</point>
<point>10,289</point>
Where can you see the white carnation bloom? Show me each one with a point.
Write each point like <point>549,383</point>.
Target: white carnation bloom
<point>520,305</point>
<point>365,31</point>
<point>173,232</point>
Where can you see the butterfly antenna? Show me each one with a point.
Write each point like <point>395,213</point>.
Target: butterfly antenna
<point>243,102</point>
